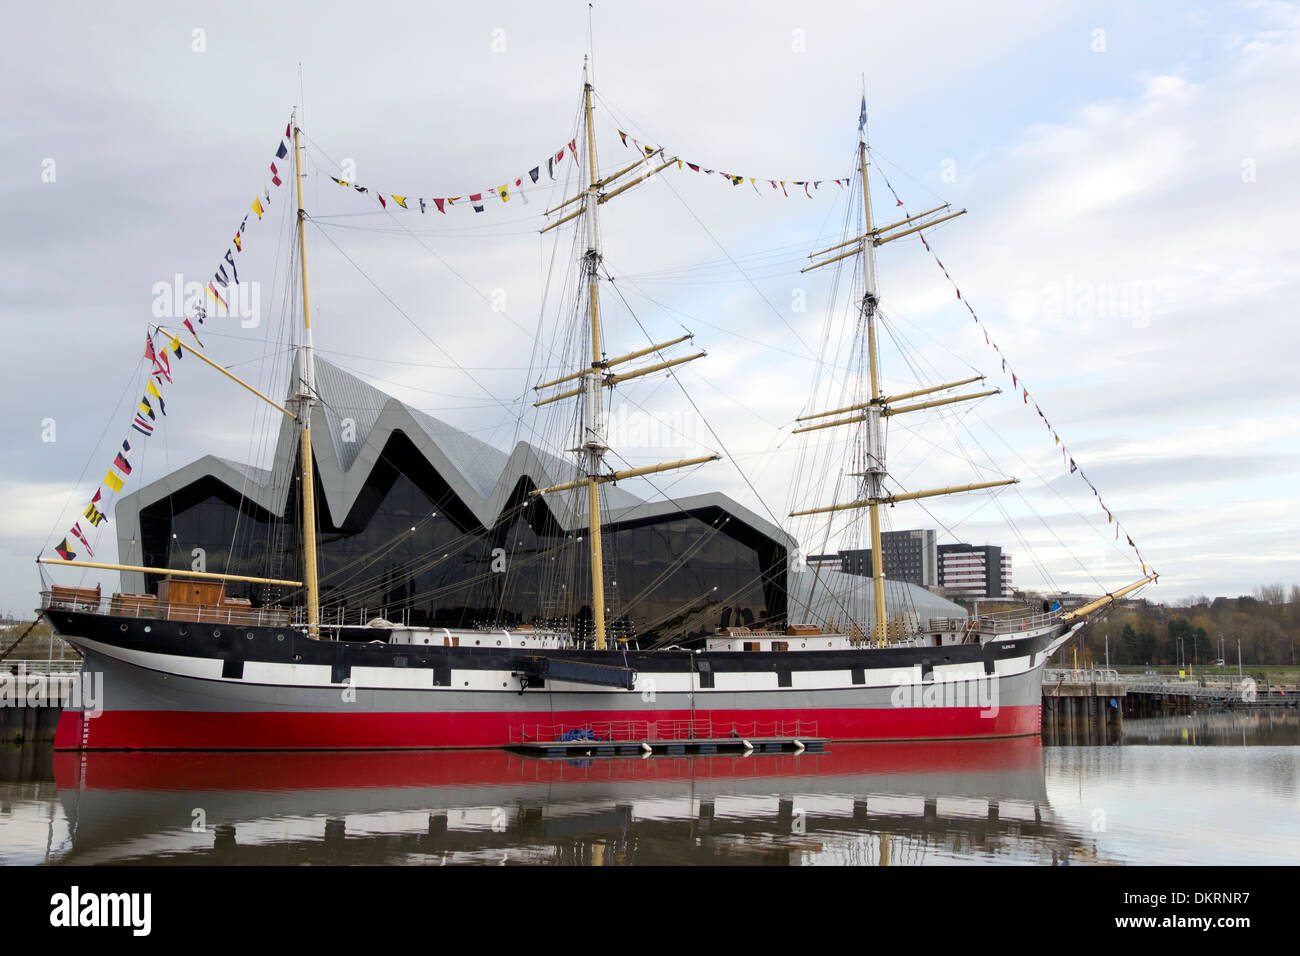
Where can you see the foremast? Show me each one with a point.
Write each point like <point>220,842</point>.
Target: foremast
<point>299,408</point>
<point>596,378</point>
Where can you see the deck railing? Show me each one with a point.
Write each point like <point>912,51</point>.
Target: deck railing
<point>197,613</point>
<point>1009,622</point>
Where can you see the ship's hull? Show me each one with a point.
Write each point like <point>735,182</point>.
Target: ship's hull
<point>169,685</point>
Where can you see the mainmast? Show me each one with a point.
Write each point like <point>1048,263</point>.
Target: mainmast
<point>305,401</point>
<point>596,377</point>
<point>592,382</point>
<point>872,413</point>
<point>874,472</point>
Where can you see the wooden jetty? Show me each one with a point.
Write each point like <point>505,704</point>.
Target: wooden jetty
<point>30,703</point>
<point>1083,706</point>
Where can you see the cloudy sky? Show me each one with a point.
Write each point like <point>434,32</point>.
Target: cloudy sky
<point>1130,172</point>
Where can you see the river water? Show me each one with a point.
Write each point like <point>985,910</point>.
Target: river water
<point>1206,789</point>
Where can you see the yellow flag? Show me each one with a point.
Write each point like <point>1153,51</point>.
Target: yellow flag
<point>400,200</point>
<point>112,480</point>
<point>175,344</point>
<point>505,193</point>
<point>152,389</point>
<point>257,207</point>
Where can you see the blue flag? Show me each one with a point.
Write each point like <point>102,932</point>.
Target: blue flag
<point>862,117</point>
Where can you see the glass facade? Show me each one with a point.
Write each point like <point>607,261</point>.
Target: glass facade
<point>412,552</point>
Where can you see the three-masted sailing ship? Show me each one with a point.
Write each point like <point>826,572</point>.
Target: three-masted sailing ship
<point>257,678</point>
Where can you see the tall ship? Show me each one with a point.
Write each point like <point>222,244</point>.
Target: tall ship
<point>187,665</point>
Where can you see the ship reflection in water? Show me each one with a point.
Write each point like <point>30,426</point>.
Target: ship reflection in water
<point>855,804</point>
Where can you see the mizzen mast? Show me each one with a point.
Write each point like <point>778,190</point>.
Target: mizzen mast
<point>596,378</point>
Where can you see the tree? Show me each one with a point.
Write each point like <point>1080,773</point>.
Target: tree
<point>1271,593</point>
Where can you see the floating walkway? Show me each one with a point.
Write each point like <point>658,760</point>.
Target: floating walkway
<point>638,738</point>
<point>671,747</point>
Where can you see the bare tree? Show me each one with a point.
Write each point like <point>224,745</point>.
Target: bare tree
<point>1271,593</point>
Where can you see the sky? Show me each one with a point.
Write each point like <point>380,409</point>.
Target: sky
<point>1128,171</point>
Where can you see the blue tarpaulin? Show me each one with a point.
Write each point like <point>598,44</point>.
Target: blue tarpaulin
<point>578,733</point>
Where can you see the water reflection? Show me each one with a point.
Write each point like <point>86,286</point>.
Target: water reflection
<point>1177,790</point>
<point>1272,727</point>
<point>862,804</point>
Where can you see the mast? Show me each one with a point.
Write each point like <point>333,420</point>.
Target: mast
<point>593,381</point>
<point>879,406</point>
<point>874,472</point>
<point>306,391</point>
<point>597,377</point>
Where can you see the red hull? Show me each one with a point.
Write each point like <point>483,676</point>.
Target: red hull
<point>195,730</point>
<point>485,768</point>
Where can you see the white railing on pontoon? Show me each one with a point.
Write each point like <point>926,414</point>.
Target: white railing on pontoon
<point>634,731</point>
<point>32,666</point>
<point>1081,675</point>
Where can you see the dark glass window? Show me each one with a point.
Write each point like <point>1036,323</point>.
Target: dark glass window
<point>410,551</point>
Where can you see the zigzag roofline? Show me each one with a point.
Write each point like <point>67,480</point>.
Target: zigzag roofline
<point>463,461</point>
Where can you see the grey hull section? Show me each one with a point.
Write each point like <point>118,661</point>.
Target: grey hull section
<point>128,687</point>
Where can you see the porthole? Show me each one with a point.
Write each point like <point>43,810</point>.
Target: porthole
<point>476,643</point>
<point>278,637</point>
<point>248,635</point>
<point>148,628</point>
<point>466,683</point>
<point>498,643</point>
<point>804,644</point>
<point>122,626</point>
<point>216,632</point>
<point>183,631</point>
